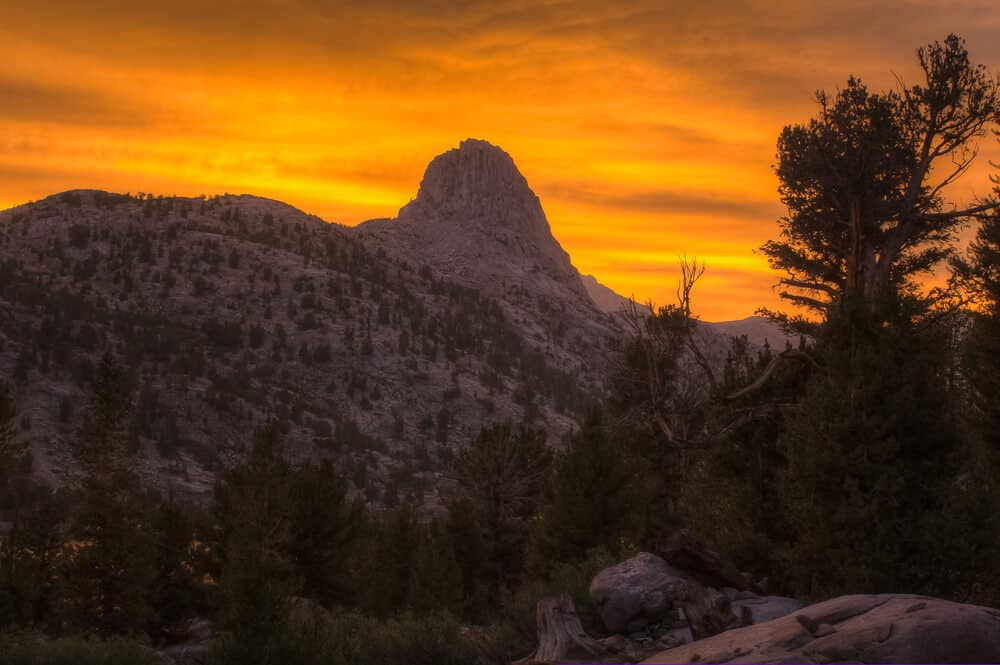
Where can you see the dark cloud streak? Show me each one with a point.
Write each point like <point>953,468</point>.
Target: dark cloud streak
<point>33,101</point>
<point>665,201</point>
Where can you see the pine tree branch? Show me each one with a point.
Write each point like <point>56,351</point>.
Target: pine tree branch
<point>790,354</point>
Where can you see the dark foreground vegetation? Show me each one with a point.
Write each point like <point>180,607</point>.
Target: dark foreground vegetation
<point>865,459</point>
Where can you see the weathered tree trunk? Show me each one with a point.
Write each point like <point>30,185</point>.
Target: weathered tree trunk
<point>854,266</point>
<point>561,638</point>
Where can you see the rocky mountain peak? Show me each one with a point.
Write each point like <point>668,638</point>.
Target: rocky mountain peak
<point>477,180</point>
<point>477,221</point>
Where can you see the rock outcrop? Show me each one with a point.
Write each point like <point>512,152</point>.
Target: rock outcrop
<point>887,628</point>
<point>641,599</point>
<point>647,605</point>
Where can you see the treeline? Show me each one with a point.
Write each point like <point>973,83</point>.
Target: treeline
<point>294,569</point>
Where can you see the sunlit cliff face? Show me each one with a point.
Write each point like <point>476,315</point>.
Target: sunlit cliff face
<point>647,130</point>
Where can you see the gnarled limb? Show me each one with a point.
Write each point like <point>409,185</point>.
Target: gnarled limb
<point>790,354</point>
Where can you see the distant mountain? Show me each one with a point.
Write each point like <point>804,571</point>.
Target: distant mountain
<point>385,346</point>
<point>757,329</point>
<point>606,300</point>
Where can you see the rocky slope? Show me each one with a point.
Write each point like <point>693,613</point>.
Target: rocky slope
<point>233,308</point>
<point>603,297</point>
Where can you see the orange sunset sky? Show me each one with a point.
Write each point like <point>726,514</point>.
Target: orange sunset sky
<point>647,128</point>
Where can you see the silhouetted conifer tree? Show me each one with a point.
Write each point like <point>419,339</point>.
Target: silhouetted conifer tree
<point>596,496</point>
<point>470,553</point>
<point>871,454</point>
<point>107,578</point>
<point>255,509</point>
<point>502,472</point>
<point>325,528</point>
<point>437,579</point>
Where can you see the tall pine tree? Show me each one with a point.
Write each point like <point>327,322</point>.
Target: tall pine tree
<point>255,510</point>
<point>502,472</point>
<point>325,528</point>
<point>871,452</point>
<point>436,584</point>
<point>595,497</point>
<point>108,576</point>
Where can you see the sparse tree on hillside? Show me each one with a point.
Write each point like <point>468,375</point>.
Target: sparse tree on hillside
<point>976,500</point>
<point>728,497</point>
<point>470,551</point>
<point>29,564</point>
<point>981,276</point>
<point>388,555</point>
<point>873,451</point>
<point>179,591</point>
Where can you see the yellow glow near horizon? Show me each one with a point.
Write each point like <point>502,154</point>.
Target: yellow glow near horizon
<point>646,128</point>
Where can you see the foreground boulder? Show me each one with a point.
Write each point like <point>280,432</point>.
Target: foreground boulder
<point>646,590</point>
<point>887,628</point>
<point>637,592</point>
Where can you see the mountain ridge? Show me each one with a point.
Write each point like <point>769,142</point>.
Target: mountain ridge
<point>384,345</point>
<point>229,308</point>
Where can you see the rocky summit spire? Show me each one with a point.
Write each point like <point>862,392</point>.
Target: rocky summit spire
<point>477,180</point>
<point>475,204</point>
